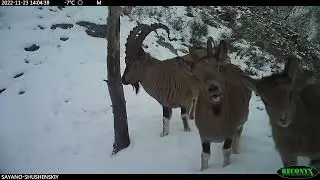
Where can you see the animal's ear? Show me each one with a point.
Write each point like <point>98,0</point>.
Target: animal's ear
<point>210,48</point>
<point>249,82</point>
<point>290,68</point>
<point>221,52</point>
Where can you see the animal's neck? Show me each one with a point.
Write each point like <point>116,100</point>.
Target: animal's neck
<point>148,62</point>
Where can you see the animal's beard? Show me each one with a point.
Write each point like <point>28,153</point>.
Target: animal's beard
<point>136,87</point>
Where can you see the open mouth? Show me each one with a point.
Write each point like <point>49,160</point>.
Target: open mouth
<point>215,94</point>
<point>216,97</point>
<point>284,122</point>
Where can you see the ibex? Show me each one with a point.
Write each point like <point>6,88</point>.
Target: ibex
<point>223,102</point>
<point>170,81</point>
<point>293,111</point>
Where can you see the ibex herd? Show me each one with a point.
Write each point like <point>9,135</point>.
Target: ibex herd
<point>216,93</point>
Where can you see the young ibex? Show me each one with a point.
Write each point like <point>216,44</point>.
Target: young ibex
<point>170,81</point>
<point>223,102</point>
<point>293,112</point>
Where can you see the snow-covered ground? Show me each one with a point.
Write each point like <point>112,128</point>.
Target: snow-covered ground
<point>63,123</point>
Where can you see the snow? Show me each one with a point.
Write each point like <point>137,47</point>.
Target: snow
<point>63,123</point>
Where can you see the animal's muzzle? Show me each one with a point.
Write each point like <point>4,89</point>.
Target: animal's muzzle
<point>284,121</point>
<point>124,81</point>
<point>215,94</point>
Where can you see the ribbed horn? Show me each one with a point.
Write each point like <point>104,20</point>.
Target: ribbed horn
<point>137,36</point>
<point>131,40</point>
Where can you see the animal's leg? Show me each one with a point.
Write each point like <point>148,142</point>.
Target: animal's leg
<point>167,113</point>
<point>193,107</point>
<point>226,151</point>
<point>184,117</point>
<point>315,163</point>
<point>205,155</point>
<point>235,142</point>
<point>288,160</point>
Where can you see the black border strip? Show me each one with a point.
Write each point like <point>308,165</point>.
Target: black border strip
<point>187,176</point>
<point>187,2</point>
<point>179,3</point>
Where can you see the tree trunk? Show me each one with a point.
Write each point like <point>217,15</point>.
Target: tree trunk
<point>121,134</point>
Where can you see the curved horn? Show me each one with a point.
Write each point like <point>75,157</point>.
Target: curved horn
<point>132,39</point>
<point>137,36</point>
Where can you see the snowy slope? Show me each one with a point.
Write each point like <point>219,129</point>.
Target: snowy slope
<point>64,123</point>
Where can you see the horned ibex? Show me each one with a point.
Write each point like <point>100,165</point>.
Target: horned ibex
<point>293,111</point>
<point>170,81</point>
<point>223,102</point>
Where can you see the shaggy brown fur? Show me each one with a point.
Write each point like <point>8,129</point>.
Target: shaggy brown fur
<point>170,81</point>
<point>223,102</point>
<point>293,111</point>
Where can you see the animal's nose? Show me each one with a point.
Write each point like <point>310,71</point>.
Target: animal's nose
<point>284,121</point>
<point>213,88</point>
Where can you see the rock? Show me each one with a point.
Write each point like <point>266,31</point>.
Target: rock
<point>41,27</point>
<point>260,108</point>
<point>33,47</point>
<point>18,75</point>
<point>62,26</point>
<point>21,92</point>
<point>61,7</point>
<point>64,38</point>
<point>52,10</point>
<point>94,30</point>
<point>2,90</point>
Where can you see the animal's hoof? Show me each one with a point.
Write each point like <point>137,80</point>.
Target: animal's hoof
<point>226,163</point>
<point>203,168</point>
<point>187,129</point>
<point>191,117</point>
<point>235,151</point>
<point>164,134</point>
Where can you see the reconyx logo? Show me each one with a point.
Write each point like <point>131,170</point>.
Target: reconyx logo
<point>297,172</point>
